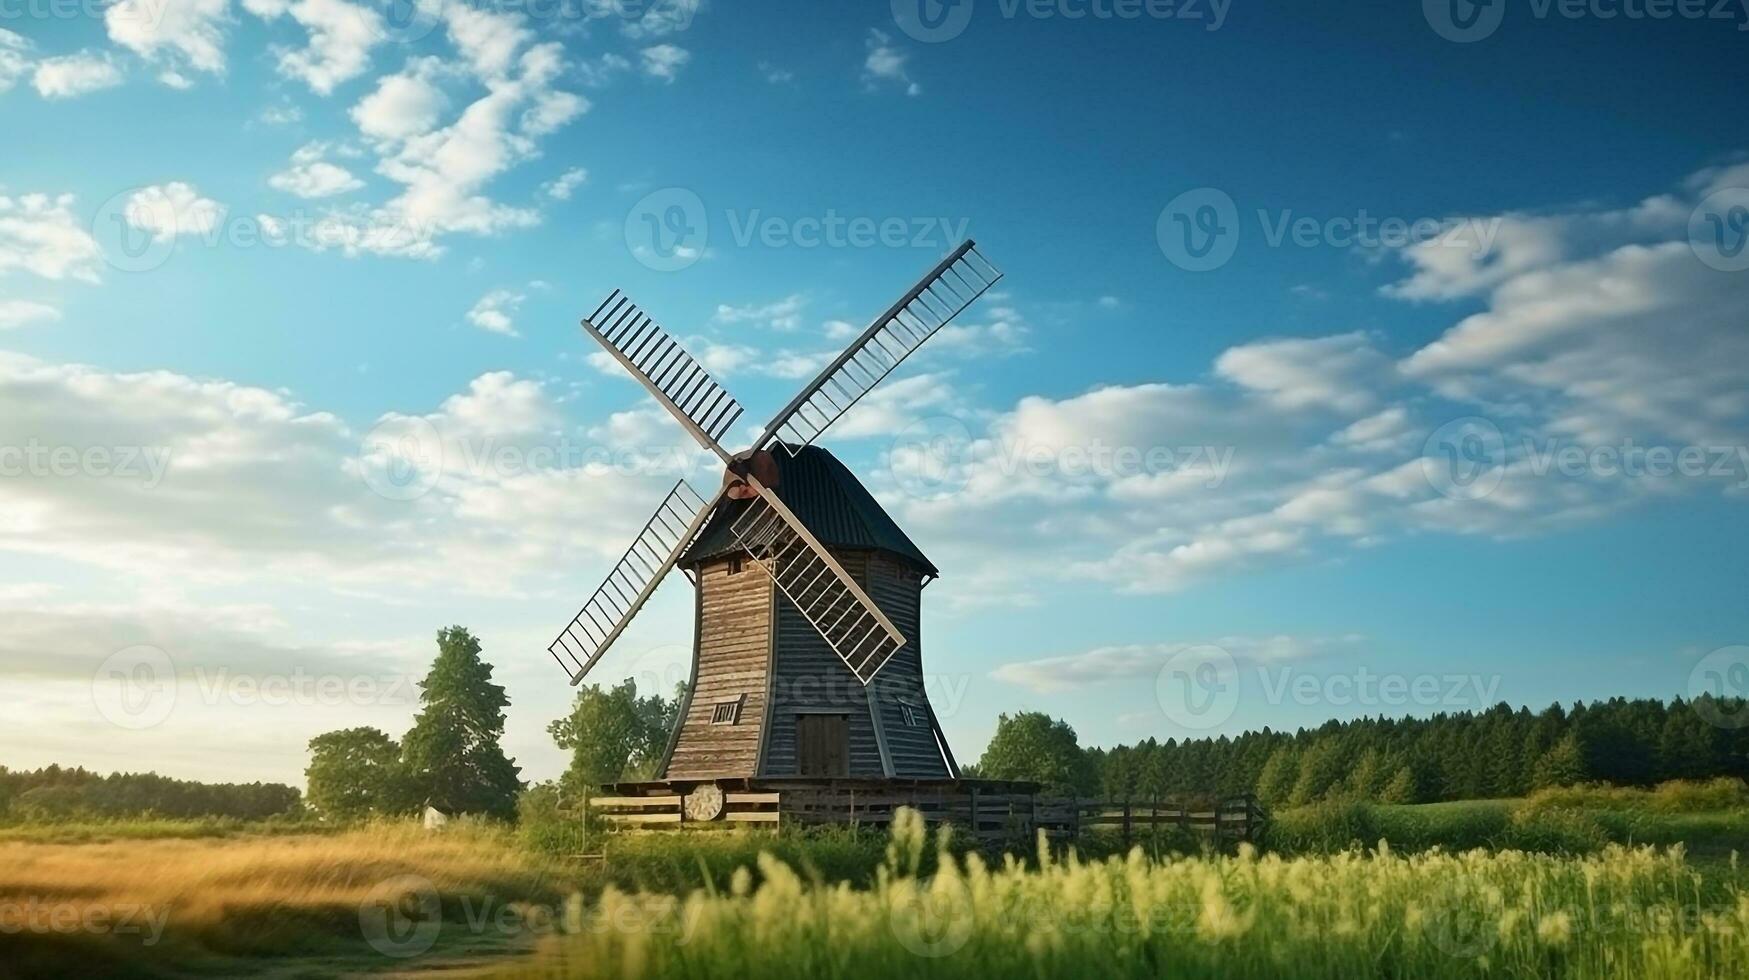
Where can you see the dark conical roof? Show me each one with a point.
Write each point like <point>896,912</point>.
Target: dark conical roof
<point>833,504</point>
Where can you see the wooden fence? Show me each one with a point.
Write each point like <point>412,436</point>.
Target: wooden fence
<point>989,809</point>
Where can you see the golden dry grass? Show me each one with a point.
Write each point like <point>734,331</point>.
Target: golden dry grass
<point>157,902</point>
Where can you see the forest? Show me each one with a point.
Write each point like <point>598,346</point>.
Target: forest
<point>1501,752</point>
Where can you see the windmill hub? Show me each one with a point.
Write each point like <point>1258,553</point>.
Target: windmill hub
<point>757,463</point>
<point>806,588</point>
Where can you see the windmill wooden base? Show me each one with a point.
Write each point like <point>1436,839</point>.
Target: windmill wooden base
<point>991,810</point>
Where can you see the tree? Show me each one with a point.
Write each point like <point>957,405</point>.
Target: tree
<point>1279,774</point>
<point>614,734</point>
<point>451,757</point>
<point>1403,787</point>
<point>355,772</point>
<point>1564,764</point>
<point>1034,747</point>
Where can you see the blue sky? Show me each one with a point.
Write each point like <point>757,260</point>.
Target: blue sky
<point>444,189</point>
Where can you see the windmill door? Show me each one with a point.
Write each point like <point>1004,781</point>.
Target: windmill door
<point>823,745</point>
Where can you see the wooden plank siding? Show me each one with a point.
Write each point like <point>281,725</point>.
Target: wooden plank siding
<point>808,677</point>
<point>898,590</point>
<point>733,654</point>
<point>752,643</point>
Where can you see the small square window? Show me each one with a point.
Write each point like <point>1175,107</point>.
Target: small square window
<point>735,565</point>
<point>726,712</point>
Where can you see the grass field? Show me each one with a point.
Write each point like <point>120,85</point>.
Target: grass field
<point>1548,889</point>
<point>1628,912</point>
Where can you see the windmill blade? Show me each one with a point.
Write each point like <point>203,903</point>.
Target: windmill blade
<point>633,580</point>
<point>663,367</point>
<point>938,297</point>
<point>819,587</point>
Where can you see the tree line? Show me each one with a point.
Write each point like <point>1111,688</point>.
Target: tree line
<point>54,793</point>
<point>1499,752</point>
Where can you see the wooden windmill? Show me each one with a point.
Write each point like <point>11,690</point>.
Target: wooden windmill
<point>806,660</point>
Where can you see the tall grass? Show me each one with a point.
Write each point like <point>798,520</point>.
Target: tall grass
<point>1677,796</point>
<point>189,900</point>
<point>1621,912</point>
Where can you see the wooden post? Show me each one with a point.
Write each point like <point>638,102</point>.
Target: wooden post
<point>976,827</point>
<point>1126,823</point>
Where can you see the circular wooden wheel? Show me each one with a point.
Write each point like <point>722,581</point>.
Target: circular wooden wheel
<point>704,803</point>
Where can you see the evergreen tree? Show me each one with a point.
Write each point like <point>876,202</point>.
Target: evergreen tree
<point>1563,764</point>
<point>452,757</point>
<point>1402,788</point>
<point>1276,781</point>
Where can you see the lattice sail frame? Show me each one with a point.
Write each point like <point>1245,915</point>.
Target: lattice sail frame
<point>683,386</point>
<point>813,580</point>
<point>634,578</point>
<point>938,297</point>
<point>819,587</point>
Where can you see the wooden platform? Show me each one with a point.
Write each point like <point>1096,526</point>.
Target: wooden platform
<point>990,809</point>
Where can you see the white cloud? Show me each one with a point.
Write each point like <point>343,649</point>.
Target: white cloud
<point>281,115</point>
<point>341,36</point>
<point>782,314</point>
<point>404,105</point>
<point>231,483</point>
<point>664,61</point>
<point>73,75</point>
<point>444,169</point>
<point>603,69</point>
<point>885,64</point>
<point>14,59</point>
<point>1601,336</point>
<point>311,176</point>
<point>774,74</point>
<point>41,235</point>
<point>561,188</point>
<point>15,313</point>
<point>488,40</point>
<point>169,210</point>
<point>1340,373</point>
<point>180,33</point>
<point>1104,665</point>
<point>493,311</point>
<point>658,18</point>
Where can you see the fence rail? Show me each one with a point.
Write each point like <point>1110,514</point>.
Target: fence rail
<point>990,811</point>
